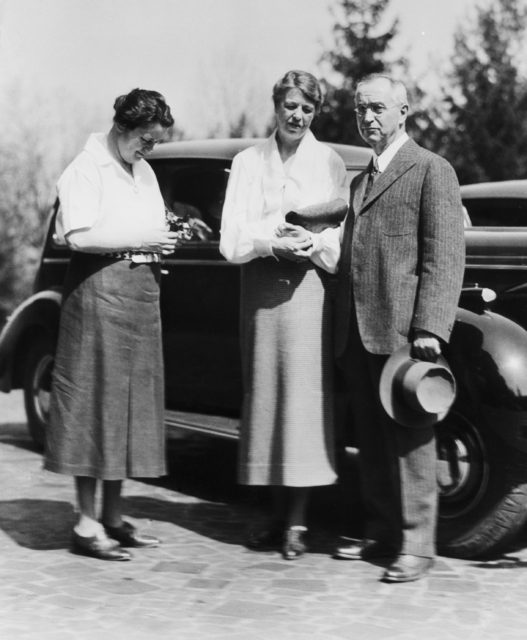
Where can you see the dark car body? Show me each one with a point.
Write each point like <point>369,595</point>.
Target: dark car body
<point>482,445</point>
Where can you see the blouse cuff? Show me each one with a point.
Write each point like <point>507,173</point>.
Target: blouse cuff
<point>263,248</point>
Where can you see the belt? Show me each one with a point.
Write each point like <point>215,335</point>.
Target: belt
<point>135,256</point>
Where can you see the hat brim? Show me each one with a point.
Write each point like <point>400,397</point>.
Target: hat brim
<point>393,405</point>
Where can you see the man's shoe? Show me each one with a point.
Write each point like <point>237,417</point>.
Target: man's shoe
<point>364,550</point>
<point>294,544</point>
<point>127,536</point>
<point>94,547</point>
<point>269,538</point>
<point>407,568</point>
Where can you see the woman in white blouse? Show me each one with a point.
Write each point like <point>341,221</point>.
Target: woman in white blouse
<point>106,414</point>
<point>287,419</point>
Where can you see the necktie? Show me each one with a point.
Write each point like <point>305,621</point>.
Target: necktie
<point>372,176</point>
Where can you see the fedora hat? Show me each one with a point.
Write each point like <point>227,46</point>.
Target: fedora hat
<point>416,393</point>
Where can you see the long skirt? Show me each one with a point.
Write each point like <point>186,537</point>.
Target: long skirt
<point>107,400</point>
<point>287,431</point>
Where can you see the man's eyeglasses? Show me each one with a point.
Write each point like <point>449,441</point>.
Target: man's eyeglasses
<point>377,108</point>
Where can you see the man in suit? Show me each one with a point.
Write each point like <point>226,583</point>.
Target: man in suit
<point>400,275</point>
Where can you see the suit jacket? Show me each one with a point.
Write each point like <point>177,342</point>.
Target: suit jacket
<point>403,253</point>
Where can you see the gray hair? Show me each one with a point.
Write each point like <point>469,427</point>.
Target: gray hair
<point>399,92</point>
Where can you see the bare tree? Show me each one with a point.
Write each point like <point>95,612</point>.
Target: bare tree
<point>39,138</point>
<point>233,100</point>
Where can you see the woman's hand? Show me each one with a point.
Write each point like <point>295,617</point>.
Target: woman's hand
<point>292,248</point>
<point>159,241</point>
<point>286,229</point>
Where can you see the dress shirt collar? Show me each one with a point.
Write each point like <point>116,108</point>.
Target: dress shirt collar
<point>383,160</point>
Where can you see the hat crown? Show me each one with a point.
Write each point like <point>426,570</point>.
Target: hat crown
<point>428,387</point>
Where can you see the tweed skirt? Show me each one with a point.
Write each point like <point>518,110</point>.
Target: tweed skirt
<point>107,399</point>
<point>287,430</point>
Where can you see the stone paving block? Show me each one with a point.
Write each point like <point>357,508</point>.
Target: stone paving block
<point>364,631</point>
<point>249,609</point>
<point>299,585</point>
<point>72,569</point>
<point>126,586</point>
<point>205,583</point>
<point>269,566</point>
<point>406,612</point>
<point>180,567</point>
<point>69,602</point>
<point>453,586</point>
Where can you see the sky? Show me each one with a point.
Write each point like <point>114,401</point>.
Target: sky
<point>208,57</point>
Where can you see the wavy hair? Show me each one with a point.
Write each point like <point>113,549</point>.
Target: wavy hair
<point>141,107</point>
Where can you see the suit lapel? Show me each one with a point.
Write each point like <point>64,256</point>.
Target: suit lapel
<point>358,194</point>
<point>403,160</point>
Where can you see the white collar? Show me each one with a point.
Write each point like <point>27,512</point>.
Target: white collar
<point>306,144</point>
<point>383,160</point>
<point>97,146</point>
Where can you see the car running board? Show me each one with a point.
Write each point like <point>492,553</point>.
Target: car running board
<point>201,423</point>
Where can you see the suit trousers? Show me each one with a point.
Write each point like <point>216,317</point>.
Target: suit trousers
<point>397,465</point>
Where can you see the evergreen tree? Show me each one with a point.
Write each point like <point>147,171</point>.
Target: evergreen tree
<point>487,129</point>
<point>359,49</point>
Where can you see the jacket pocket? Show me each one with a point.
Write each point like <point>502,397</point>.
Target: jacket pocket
<point>396,232</point>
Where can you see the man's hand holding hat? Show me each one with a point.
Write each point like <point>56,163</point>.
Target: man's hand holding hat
<point>425,346</point>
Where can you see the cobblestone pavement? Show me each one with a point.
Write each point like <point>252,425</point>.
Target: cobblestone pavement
<point>202,583</point>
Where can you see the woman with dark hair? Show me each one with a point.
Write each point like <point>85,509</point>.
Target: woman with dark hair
<point>287,418</point>
<point>106,413</point>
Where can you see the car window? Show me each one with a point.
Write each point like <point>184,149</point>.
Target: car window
<point>497,212</point>
<point>194,190</point>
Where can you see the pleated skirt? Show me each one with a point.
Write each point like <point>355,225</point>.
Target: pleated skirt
<point>107,399</point>
<point>287,430</point>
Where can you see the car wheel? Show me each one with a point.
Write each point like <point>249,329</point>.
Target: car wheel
<point>37,388</point>
<point>483,489</point>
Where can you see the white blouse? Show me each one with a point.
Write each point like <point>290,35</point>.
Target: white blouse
<point>262,190</point>
<point>95,190</point>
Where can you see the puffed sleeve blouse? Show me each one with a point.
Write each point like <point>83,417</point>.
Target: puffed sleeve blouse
<point>95,190</point>
<point>262,190</point>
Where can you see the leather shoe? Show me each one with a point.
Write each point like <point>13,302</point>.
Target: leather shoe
<point>94,547</point>
<point>407,568</point>
<point>364,550</point>
<point>127,536</point>
<point>294,544</point>
<point>267,539</point>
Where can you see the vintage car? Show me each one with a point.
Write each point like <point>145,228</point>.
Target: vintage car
<point>482,444</point>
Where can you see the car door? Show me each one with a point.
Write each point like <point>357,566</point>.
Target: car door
<point>199,294</point>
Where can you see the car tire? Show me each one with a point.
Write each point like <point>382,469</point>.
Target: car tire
<point>37,388</point>
<point>483,489</point>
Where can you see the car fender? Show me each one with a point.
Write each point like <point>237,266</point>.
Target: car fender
<point>38,313</point>
<point>488,356</point>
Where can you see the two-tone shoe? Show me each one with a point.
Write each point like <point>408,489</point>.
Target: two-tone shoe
<point>128,536</point>
<point>364,550</point>
<point>294,543</point>
<point>100,548</point>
